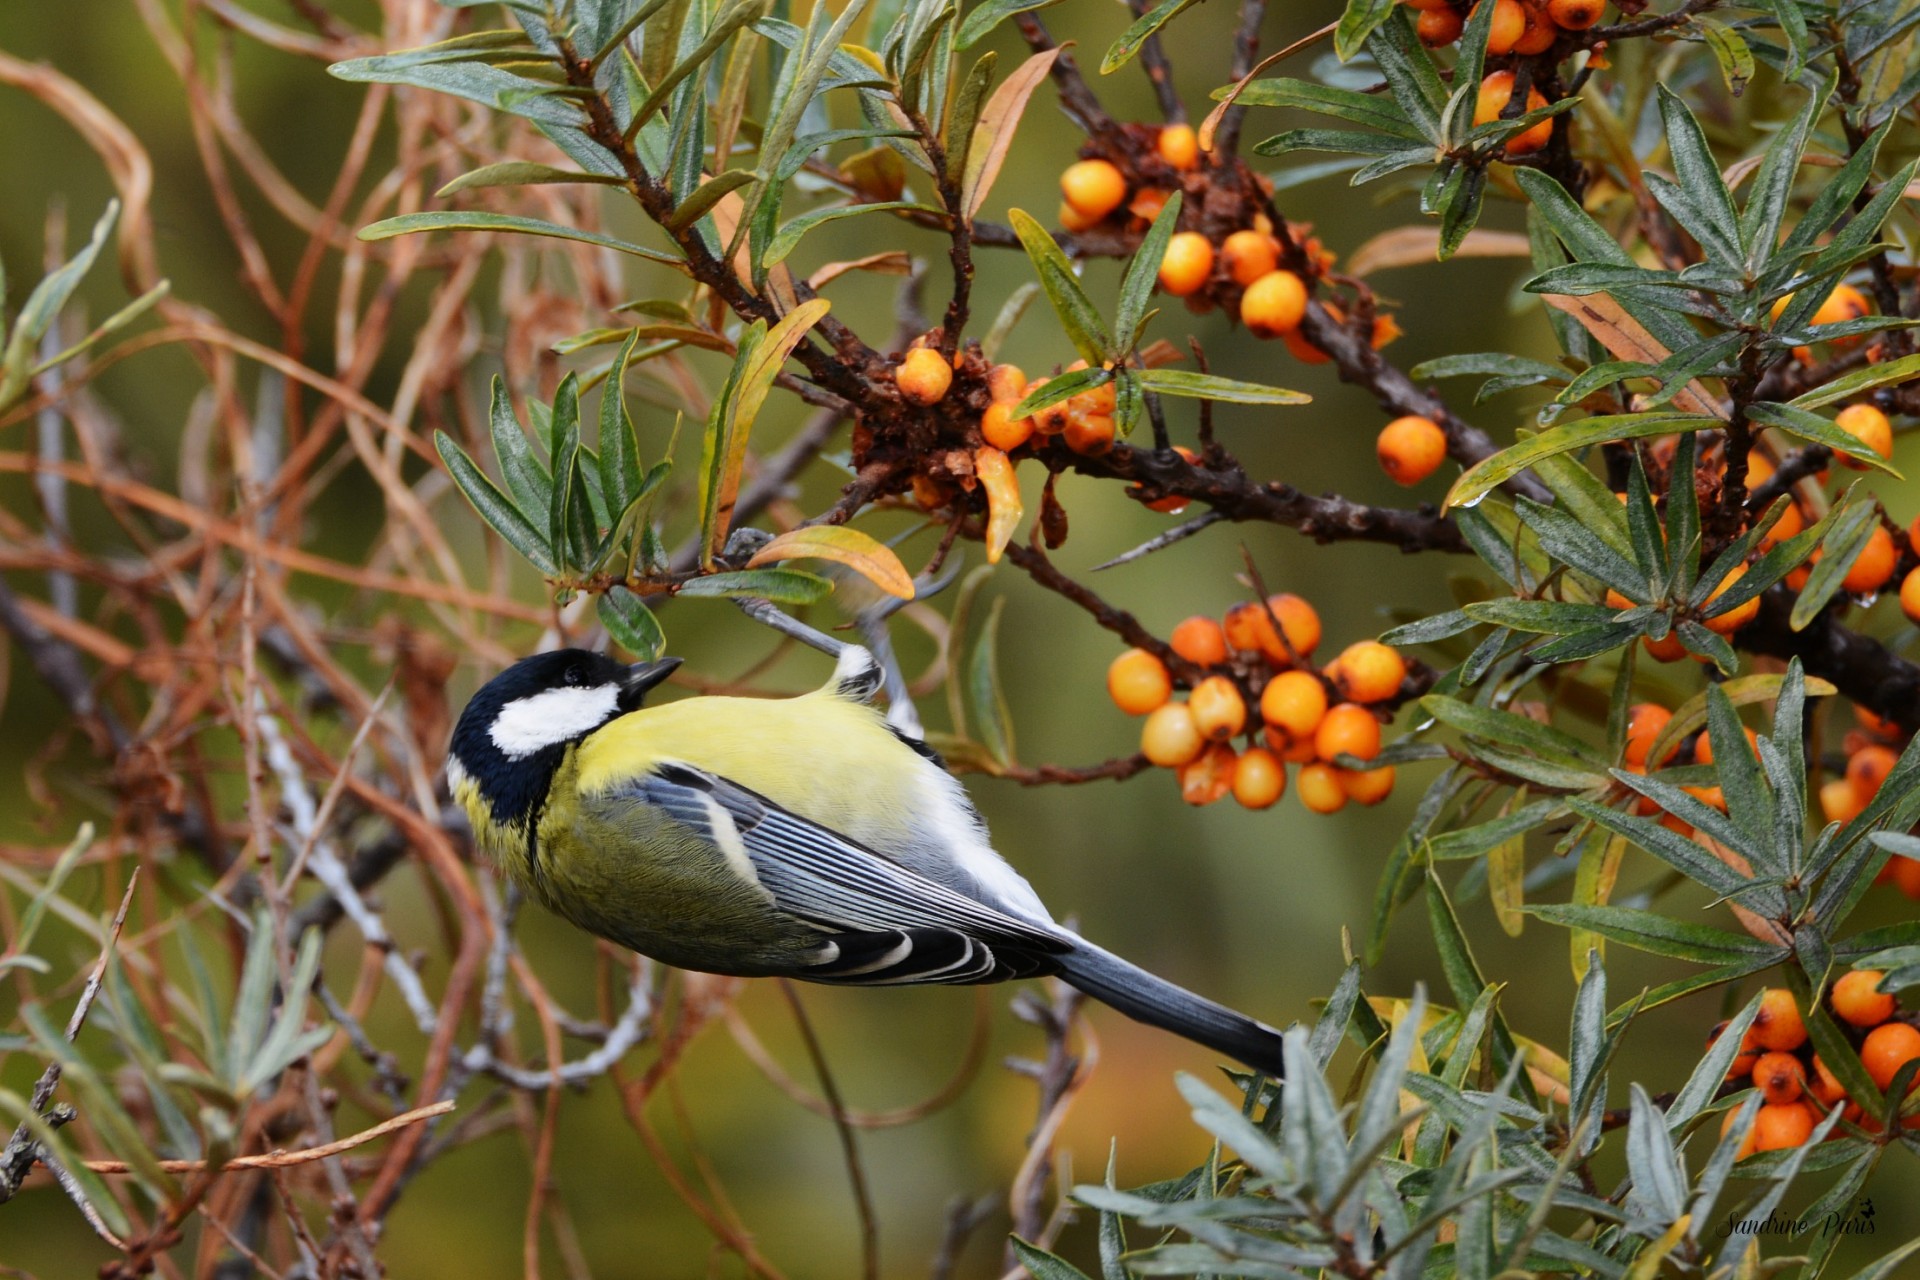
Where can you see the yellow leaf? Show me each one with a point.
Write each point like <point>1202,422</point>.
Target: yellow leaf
<point>873,560</point>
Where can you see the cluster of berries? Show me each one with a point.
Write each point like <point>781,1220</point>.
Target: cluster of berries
<point>1261,658</point>
<point>1798,1089</point>
<point>1524,27</point>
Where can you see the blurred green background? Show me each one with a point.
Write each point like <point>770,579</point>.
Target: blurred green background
<point>1247,907</point>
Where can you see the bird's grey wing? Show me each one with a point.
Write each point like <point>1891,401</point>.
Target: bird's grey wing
<point>887,924</point>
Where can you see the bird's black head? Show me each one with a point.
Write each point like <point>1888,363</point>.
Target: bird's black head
<point>515,731</point>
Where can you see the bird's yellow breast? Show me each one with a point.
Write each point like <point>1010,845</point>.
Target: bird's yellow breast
<point>820,756</point>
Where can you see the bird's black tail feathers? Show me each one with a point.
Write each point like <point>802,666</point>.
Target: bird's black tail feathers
<point>1159,1003</point>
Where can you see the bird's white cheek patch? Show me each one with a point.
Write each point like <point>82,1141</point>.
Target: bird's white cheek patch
<point>553,716</point>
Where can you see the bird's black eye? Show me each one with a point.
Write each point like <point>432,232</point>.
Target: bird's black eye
<point>573,675</point>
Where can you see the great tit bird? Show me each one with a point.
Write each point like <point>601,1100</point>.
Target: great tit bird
<point>800,837</point>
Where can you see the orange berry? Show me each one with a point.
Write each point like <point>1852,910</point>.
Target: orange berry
<point>1703,746</point>
<point>1319,788</point>
<point>1218,709</point>
<point>1509,24</point>
<point>1274,304</point>
<point>1870,427</point>
<point>1170,738</point>
<point>1259,779</point>
<point>1906,876</point>
<point>1741,614</point>
<point>1789,525</point>
<point>1748,1145</point>
<point>1137,681</point>
<point>1910,595</point>
<point>1147,203</point>
<point>1780,1126</point>
<point>1875,566</point>
<point>1006,383</point>
<point>1495,92</point>
<point>1824,1085</point>
<point>1645,720</point>
<point>1208,776</point>
<point>1438,28</point>
<point>1052,420</point>
<point>1179,146</point>
<point>1385,330</point>
<point>1093,187</point>
<point>1423,6</point>
<point>1839,802</point>
<point>1778,1025</point>
<point>1187,263</point>
<point>1071,219</point>
<point>1913,535</point>
<point>1200,641</point>
<point>1248,255</point>
<point>1090,434</point>
<point>1411,449</point>
<point>1887,1048</point>
<point>1857,998</point>
<point>1250,630</point>
<point>1347,729</point>
<point>1779,1077</point>
<point>1666,650</point>
<point>1575,15</point>
<point>1299,622</point>
<point>1367,671</point>
<point>1867,768</point>
<point>923,376</point>
<point>1003,432</point>
<point>1843,304</point>
<point>1540,34</point>
<point>1712,797</point>
<point>1294,702</point>
<point>1367,786</point>
<point>1742,1061</point>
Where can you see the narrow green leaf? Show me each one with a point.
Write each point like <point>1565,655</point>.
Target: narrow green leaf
<point>1798,422</point>
<point>1136,286</point>
<point>985,17</point>
<point>1358,21</point>
<point>788,238</point>
<point>1206,386</point>
<point>1363,109</point>
<point>1730,52</point>
<point>992,715</point>
<point>524,173</point>
<point>631,624</point>
<point>1490,473</point>
<point>1662,935</point>
<point>1838,550</point>
<point>1849,385</point>
<point>1123,50</point>
<point>462,220</point>
<point>782,586</point>
<point>1078,316</point>
<point>620,470</point>
<point>494,506</point>
<point>708,194</point>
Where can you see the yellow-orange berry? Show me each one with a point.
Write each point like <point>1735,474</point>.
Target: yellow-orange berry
<point>1200,641</point>
<point>1824,1085</point>
<point>1411,448</point>
<point>1367,786</point>
<point>1250,630</point>
<point>1843,304</point>
<point>1910,595</point>
<point>1870,427</point>
<point>1778,1127</point>
<point>1294,702</point>
<point>1540,34</point>
<point>1248,255</point>
<point>1645,720</point>
<point>1875,566</point>
<point>1003,431</point>
<point>1495,92</point>
<point>1367,671</point>
<point>1742,1061</point>
<point>1094,187</point>
<point>1838,802</point>
<point>1778,1026</point>
<point>1747,1145</point>
<point>1319,788</point>
<point>1789,525</point>
<point>1703,746</point>
<point>1347,729</point>
<point>1052,420</point>
<point>1575,15</point>
<point>1438,28</point>
<point>1857,998</point>
<point>1179,146</point>
<point>1779,1077</point>
<point>1187,263</point>
<point>1867,768</point>
<point>923,376</point>
<point>1259,779</point>
<point>1666,649</point>
<point>1741,614</point>
<point>1138,682</point>
<point>1274,304</point>
<point>1006,383</point>
<point>1208,776</point>
<point>1072,219</point>
<point>1887,1048</point>
<point>1509,24</point>
<point>1299,622</point>
<point>1147,203</point>
<point>1090,434</point>
<point>1290,749</point>
<point>1170,738</point>
<point>1219,712</point>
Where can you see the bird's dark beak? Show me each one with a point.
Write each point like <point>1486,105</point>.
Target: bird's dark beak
<point>642,676</point>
